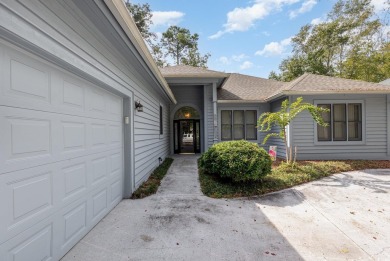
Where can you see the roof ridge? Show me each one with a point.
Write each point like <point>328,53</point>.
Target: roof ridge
<point>294,82</point>
<point>195,67</point>
<point>257,77</point>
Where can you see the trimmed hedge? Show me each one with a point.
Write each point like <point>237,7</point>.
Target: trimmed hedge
<point>239,161</point>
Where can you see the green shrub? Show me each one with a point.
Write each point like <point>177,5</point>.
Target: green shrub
<point>239,161</point>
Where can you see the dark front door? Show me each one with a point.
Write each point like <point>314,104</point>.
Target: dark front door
<point>186,135</point>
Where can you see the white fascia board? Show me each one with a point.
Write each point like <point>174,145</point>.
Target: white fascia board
<point>122,15</point>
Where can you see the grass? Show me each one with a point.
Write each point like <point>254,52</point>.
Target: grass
<point>150,186</point>
<point>282,176</point>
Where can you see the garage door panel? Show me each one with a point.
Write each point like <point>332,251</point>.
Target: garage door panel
<point>99,205</point>
<point>73,135</point>
<point>74,225</point>
<point>34,138</point>
<point>24,136</point>
<point>61,157</point>
<point>99,170</point>
<point>27,137</point>
<point>115,161</point>
<point>74,178</point>
<point>25,79</point>
<point>73,94</point>
<point>115,135</point>
<point>27,197</point>
<point>115,189</point>
<point>29,82</point>
<point>32,245</point>
<point>98,137</point>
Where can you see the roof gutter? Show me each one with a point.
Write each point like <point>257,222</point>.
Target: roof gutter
<point>121,14</point>
<point>241,101</point>
<point>199,75</point>
<point>337,91</point>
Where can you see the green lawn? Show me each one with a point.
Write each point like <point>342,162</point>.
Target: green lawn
<point>151,185</point>
<point>282,176</point>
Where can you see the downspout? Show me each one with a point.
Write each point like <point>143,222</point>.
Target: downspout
<point>215,139</point>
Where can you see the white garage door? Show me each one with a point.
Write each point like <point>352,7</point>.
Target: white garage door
<point>61,157</point>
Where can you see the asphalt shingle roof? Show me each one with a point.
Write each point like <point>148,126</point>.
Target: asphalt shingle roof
<point>249,88</point>
<point>245,87</point>
<point>321,83</point>
<point>187,71</point>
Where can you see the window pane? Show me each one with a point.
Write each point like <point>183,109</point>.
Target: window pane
<point>354,112</point>
<point>339,122</point>
<point>325,115</point>
<point>324,133</point>
<point>239,131</point>
<point>238,117</point>
<point>355,122</point>
<point>354,131</point>
<point>250,119</point>
<point>251,132</point>
<point>238,125</point>
<point>226,125</point>
<point>339,131</point>
<point>226,132</point>
<point>339,112</point>
<point>226,117</point>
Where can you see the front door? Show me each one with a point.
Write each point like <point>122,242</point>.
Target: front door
<point>186,136</point>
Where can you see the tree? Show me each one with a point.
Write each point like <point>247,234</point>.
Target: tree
<point>194,58</point>
<point>182,47</point>
<point>349,37</point>
<point>284,117</point>
<point>142,16</point>
<point>274,76</point>
<point>177,42</point>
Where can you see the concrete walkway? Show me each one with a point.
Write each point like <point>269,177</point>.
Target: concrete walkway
<point>343,217</point>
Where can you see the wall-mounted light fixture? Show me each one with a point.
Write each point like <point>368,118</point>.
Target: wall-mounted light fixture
<point>139,107</point>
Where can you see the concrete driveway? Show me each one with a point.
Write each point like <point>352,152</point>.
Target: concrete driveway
<point>343,217</point>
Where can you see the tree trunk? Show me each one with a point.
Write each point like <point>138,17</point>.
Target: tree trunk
<point>286,147</point>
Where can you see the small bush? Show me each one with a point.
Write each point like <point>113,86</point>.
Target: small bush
<point>239,161</point>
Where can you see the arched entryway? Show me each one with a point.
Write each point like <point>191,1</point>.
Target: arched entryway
<point>186,130</point>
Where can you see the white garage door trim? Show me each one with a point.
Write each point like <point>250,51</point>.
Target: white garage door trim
<point>61,156</point>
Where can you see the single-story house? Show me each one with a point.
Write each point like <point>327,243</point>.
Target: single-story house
<point>228,106</point>
<point>86,115</point>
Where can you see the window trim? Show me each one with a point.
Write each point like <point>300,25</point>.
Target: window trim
<point>232,122</point>
<point>342,143</point>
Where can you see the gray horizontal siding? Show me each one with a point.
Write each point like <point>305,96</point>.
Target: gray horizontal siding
<point>149,145</point>
<point>374,147</point>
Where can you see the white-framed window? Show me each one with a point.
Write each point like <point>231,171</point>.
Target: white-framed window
<point>345,120</point>
<point>238,125</point>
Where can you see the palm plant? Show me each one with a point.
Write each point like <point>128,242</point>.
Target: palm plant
<point>284,117</point>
